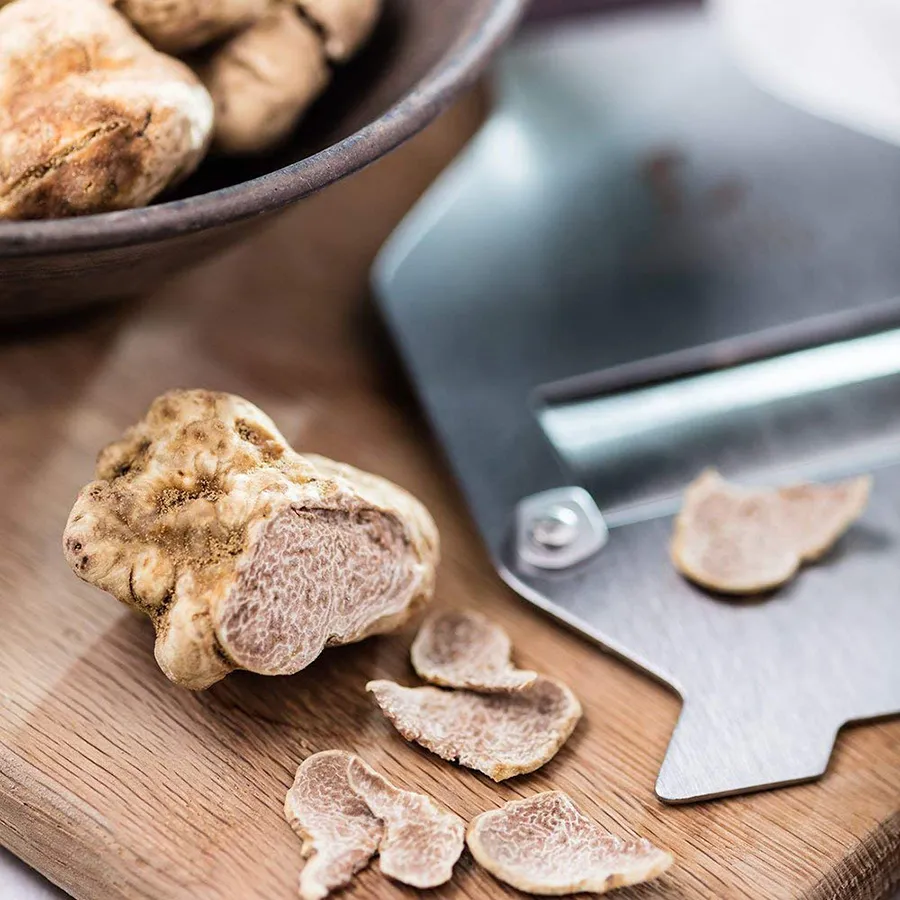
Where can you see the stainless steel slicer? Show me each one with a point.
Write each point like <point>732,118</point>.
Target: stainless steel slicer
<point>642,266</point>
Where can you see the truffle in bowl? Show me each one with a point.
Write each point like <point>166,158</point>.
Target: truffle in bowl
<point>419,56</point>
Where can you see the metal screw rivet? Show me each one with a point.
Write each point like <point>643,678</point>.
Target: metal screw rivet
<point>556,528</point>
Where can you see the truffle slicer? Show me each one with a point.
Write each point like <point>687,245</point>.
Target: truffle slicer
<point>716,264</point>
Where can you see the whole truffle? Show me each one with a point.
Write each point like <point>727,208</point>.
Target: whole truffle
<point>345,24</point>
<point>92,118</point>
<point>177,26</point>
<point>263,79</point>
<point>244,553</point>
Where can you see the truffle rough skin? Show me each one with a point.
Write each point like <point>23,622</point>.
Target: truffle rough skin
<point>501,735</point>
<point>177,26</point>
<point>421,841</point>
<point>263,79</point>
<point>340,834</point>
<point>345,24</point>
<point>464,649</point>
<point>546,845</point>
<point>740,540</point>
<point>92,118</point>
<point>244,553</point>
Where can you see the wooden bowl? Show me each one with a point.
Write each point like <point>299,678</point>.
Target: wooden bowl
<point>422,54</point>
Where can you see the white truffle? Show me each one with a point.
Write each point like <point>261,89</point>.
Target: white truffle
<point>92,118</point>
<point>740,540</point>
<point>501,735</point>
<point>345,24</point>
<point>421,841</point>
<point>546,845</point>
<point>346,812</point>
<point>464,649</point>
<point>340,834</point>
<point>244,553</point>
<point>177,26</point>
<point>262,81</point>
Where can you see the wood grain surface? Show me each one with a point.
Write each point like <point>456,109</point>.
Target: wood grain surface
<point>120,786</point>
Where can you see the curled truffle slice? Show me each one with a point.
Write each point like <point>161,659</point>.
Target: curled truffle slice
<point>421,841</point>
<point>92,118</point>
<point>740,540</point>
<point>177,26</point>
<point>464,649</point>
<point>501,735</point>
<point>263,79</point>
<point>346,813</point>
<point>546,845</point>
<point>244,553</point>
<point>340,834</point>
<point>345,24</point>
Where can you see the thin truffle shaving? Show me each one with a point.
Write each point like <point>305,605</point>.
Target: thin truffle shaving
<point>340,834</point>
<point>740,540</point>
<point>546,845</point>
<point>501,735</point>
<point>244,553</point>
<point>421,841</point>
<point>464,649</point>
<point>346,812</point>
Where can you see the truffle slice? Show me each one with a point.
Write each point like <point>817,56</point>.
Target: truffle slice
<point>546,845</point>
<point>244,553</point>
<point>464,649</point>
<point>740,540</point>
<point>345,24</point>
<point>346,813</point>
<point>421,841</point>
<point>340,834</point>
<point>501,735</point>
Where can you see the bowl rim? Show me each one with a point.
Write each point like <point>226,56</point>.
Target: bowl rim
<point>274,190</point>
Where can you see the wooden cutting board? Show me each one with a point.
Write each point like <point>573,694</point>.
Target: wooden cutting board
<point>116,784</point>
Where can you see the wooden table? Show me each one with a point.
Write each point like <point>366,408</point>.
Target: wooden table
<point>116,784</point>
